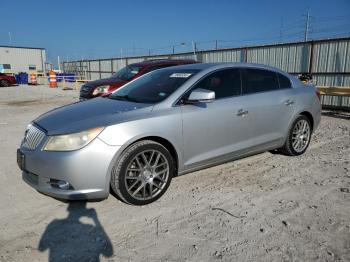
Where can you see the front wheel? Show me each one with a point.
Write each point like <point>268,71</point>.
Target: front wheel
<point>143,173</point>
<point>4,83</point>
<point>298,138</point>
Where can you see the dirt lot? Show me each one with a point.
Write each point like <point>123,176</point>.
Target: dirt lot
<point>267,207</point>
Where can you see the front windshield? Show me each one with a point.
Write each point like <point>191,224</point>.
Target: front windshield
<point>155,86</point>
<point>127,73</point>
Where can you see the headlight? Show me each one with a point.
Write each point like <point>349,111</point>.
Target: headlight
<point>73,141</point>
<point>85,88</point>
<point>100,90</point>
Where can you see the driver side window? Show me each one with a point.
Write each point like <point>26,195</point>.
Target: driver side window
<point>225,83</point>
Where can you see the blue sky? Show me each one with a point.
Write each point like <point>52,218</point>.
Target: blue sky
<point>98,29</point>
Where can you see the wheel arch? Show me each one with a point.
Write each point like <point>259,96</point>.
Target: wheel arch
<point>158,139</point>
<point>164,142</point>
<point>309,116</point>
<point>305,113</point>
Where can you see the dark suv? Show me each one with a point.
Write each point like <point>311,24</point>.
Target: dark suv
<point>7,80</point>
<point>106,86</point>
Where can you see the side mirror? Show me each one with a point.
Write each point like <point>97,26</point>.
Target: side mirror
<point>201,95</point>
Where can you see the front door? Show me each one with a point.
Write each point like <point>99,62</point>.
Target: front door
<point>214,131</point>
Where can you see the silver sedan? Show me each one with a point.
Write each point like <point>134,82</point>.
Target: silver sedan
<point>167,123</point>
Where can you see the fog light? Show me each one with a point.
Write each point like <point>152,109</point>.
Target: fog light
<point>60,184</point>
<point>63,185</point>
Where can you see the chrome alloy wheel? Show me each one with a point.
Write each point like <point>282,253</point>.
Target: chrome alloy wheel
<point>301,135</point>
<point>147,175</point>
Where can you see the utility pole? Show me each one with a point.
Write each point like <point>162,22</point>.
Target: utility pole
<point>307,26</point>
<point>194,45</point>
<point>216,44</point>
<point>10,38</point>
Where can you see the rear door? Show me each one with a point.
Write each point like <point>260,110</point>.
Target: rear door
<point>216,130</point>
<point>270,103</point>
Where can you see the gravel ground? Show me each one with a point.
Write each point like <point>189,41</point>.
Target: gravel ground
<point>267,207</point>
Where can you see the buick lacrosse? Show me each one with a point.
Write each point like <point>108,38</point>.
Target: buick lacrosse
<point>166,123</point>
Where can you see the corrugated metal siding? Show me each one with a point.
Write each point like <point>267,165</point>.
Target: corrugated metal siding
<point>106,65</point>
<point>332,80</point>
<point>134,60</point>
<point>118,64</point>
<point>157,57</point>
<point>94,76</point>
<point>85,65</point>
<point>183,56</point>
<point>330,62</point>
<point>223,56</point>
<point>331,57</point>
<point>294,58</point>
<point>336,101</point>
<point>21,58</point>
<point>94,66</point>
<point>106,75</point>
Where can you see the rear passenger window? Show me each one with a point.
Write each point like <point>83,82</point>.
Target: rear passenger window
<point>258,80</point>
<point>224,83</point>
<point>284,81</point>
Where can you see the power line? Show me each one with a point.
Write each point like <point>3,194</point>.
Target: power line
<point>327,29</point>
<point>297,30</point>
<point>333,18</point>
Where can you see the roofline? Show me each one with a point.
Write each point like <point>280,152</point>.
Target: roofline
<point>165,60</point>
<point>23,47</point>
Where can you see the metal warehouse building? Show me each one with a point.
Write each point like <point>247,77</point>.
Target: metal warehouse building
<point>327,60</point>
<point>15,59</point>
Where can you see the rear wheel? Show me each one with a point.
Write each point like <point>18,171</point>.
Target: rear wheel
<point>4,83</point>
<point>298,138</point>
<point>143,173</point>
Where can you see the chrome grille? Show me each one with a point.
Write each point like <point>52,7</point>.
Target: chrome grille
<point>32,138</point>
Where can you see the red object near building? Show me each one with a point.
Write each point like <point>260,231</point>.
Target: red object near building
<point>104,87</point>
<point>7,80</point>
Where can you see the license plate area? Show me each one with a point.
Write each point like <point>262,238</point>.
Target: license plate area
<point>21,160</point>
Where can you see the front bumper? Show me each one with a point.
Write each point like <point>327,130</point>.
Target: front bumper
<point>86,170</point>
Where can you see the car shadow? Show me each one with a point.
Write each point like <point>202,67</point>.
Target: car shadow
<point>337,114</point>
<point>78,237</point>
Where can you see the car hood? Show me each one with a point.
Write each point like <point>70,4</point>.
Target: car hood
<point>90,114</point>
<point>106,81</point>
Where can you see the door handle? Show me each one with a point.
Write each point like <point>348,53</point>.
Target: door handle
<point>289,102</point>
<point>242,112</point>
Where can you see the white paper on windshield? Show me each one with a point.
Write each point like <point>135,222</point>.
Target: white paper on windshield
<point>134,72</point>
<point>180,75</point>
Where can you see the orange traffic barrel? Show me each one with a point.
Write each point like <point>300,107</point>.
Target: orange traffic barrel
<point>53,80</point>
<point>33,80</point>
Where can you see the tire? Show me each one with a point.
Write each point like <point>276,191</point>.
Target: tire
<point>298,132</point>
<point>143,173</point>
<point>4,83</point>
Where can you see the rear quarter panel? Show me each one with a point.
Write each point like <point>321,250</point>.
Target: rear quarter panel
<point>306,100</point>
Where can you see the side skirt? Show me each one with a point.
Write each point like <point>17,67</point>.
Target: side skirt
<point>232,156</point>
